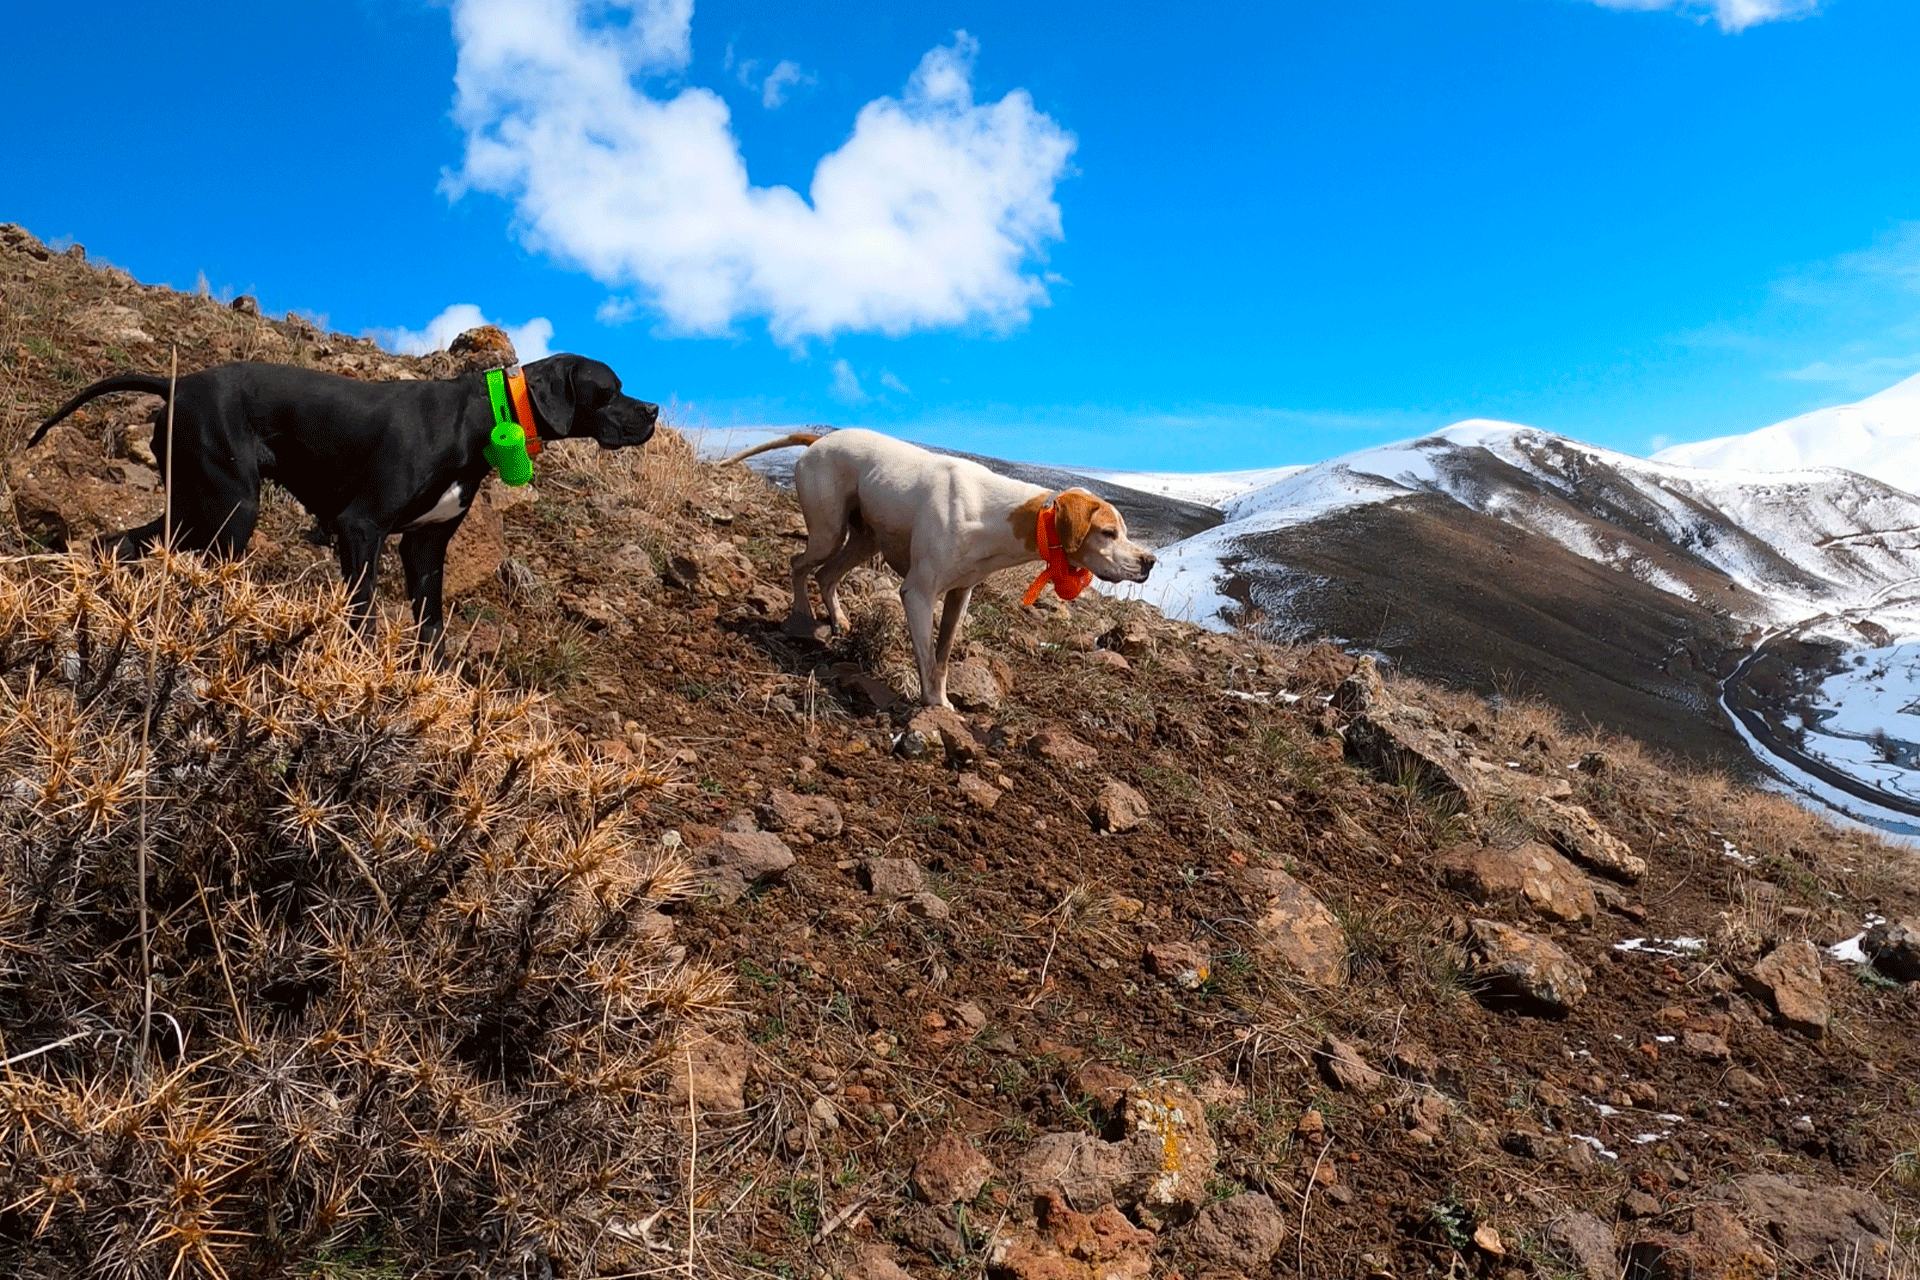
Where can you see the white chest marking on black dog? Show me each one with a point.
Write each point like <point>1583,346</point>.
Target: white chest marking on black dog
<point>452,505</point>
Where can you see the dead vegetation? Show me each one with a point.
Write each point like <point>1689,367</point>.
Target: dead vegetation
<point>309,949</point>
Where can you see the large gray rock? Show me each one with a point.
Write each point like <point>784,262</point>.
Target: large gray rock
<point>1894,949</point>
<point>1240,1234</point>
<point>1822,1226</point>
<point>1530,875</point>
<point>1523,971</point>
<point>735,861</point>
<point>1294,929</point>
<point>1788,978</point>
<point>1587,1242</point>
<point>1576,833</point>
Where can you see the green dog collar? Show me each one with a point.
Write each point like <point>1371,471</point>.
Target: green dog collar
<point>506,449</point>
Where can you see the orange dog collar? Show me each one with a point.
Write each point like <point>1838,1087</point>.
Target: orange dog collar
<point>523,408</point>
<point>1068,580</point>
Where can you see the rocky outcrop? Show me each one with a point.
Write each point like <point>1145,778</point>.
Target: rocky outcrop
<point>950,1171</point>
<point>1788,979</point>
<point>1529,875</point>
<point>1576,833</point>
<point>1117,807</point>
<point>1894,949</point>
<point>1158,1168</point>
<point>1293,928</point>
<point>1513,969</point>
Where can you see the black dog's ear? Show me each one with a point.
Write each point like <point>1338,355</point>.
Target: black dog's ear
<point>550,387</point>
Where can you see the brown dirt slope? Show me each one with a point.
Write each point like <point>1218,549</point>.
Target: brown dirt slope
<point>1269,1028</point>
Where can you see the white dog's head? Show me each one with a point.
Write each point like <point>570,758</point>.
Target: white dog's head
<point>1094,536</point>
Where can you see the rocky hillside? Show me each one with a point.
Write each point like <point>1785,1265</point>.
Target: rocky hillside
<point>1171,953</point>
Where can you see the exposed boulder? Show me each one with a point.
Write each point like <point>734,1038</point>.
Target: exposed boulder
<point>1788,979</point>
<point>1576,833</point>
<point>731,862</point>
<point>1294,929</point>
<point>1530,874</point>
<point>1241,1233</point>
<point>950,1171</point>
<point>1818,1225</point>
<point>1399,746</point>
<point>1894,949</point>
<point>1117,807</point>
<point>1717,1247</point>
<point>1513,969</point>
<point>1067,1245</point>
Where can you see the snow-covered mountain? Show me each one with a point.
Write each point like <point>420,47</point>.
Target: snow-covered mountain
<point>1764,600</point>
<point>1878,437</point>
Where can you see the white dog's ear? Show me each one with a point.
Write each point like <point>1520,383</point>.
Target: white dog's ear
<point>1073,517</point>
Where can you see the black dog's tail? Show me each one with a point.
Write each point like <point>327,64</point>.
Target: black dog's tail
<point>125,382</point>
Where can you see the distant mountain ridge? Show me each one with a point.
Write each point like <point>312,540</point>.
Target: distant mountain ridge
<point>1878,436</point>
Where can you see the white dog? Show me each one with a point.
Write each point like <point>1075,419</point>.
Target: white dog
<point>944,525</point>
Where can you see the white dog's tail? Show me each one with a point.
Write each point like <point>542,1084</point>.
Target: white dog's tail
<point>784,442</point>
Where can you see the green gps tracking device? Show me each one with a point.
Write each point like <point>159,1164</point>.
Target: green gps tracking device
<point>506,449</point>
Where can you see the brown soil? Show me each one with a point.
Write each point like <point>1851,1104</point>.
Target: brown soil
<point>644,595</point>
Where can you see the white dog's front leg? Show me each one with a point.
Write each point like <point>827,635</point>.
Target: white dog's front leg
<point>918,598</point>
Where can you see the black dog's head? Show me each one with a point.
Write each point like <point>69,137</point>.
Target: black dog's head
<point>575,396</point>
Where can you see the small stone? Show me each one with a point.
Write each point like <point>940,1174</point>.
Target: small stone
<point>1487,1240</point>
<point>825,1114</point>
<point>972,686</point>
<point>892,878</point>
<point>1180,962</point>
<point>971,1015</point>
<point>1117,807</point>
<point>1576,833</point>
<point>1894,949</point>
<point>1058,747</point>
<point>978,790</point>
<point>950,1171</point>
<point>735,861</point>
<point>1109,659</point>
<point>1704,1044</point>
<point>817,816</point>
<point>1638,1204</point>
<point>1294,928</point>
<point>1745,1082</point>
<point>1343,1067</point>
<point>928,906</point>
<point>1588,1242</point>
<point>713,1073</point>
<point>1242,1233</point>
<point>875,1262</point>
<point>1524,971</point>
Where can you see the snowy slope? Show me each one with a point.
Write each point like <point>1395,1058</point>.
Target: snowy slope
<point>1798,543</point>
<point>1878,437</point>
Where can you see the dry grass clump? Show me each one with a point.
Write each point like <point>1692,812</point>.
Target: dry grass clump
<point>402,995</point>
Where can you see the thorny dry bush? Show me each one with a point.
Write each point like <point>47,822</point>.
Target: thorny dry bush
<point>403,991</point>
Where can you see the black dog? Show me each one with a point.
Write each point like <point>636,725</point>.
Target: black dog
<point>368,459</point>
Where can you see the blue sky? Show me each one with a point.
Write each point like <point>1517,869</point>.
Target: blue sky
<point>1182,237</point>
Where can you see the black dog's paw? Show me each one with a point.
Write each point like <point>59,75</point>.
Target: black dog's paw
<point>317,536</point>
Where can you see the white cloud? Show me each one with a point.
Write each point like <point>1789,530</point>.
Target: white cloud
<point>1732,15</point>
<point>773,93</point>
<point>530,340</point>
<point>846,384</point>
<point>928,216</point>
<point>893,383</point>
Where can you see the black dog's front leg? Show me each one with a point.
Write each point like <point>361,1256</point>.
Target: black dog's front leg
<point>423,554</point>
<point>359,550</point>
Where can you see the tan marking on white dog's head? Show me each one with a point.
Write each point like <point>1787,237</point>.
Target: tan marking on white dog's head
<point>1094,536</point>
